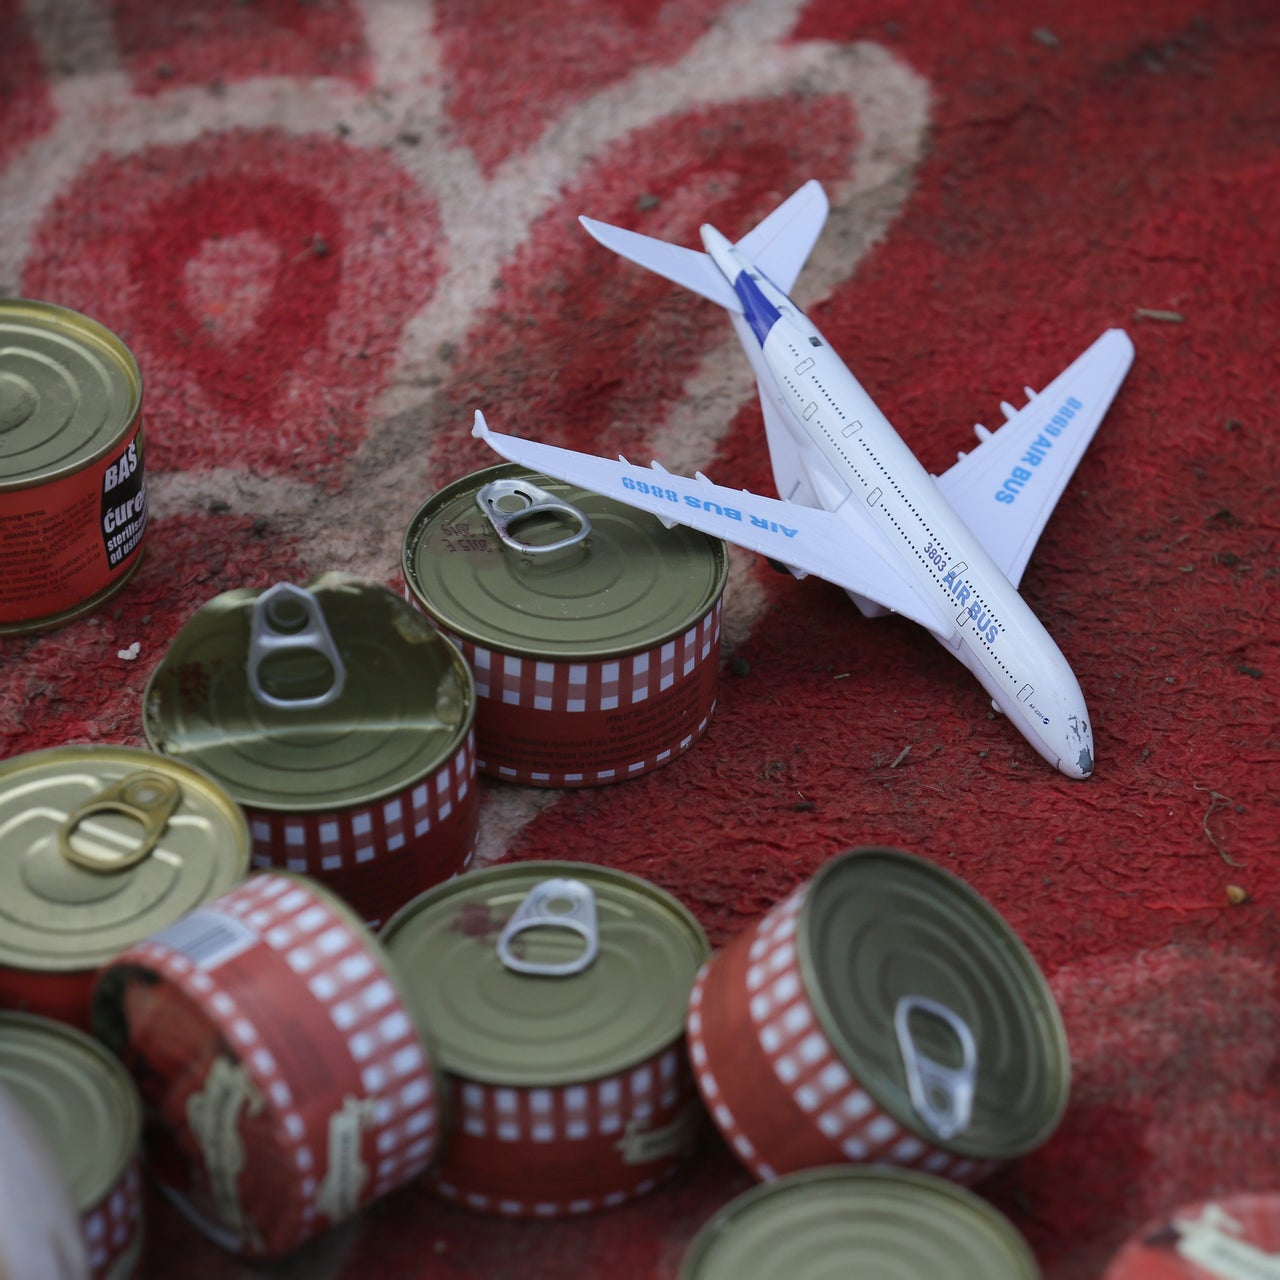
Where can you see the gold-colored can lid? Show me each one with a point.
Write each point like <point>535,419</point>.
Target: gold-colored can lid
<point>933,1003</point>
<point>546,973</point>
<point>858,1220</point>
<point>69,388</point>
<point>101,846</point>
<point>78,1096</point>
<point>579,577</point>
<point>305,699</point>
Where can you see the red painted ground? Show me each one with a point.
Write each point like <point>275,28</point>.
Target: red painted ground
<point>330,232</point>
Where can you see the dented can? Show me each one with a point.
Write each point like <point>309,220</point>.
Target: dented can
<point>102,845</point>
<point>344,725</point>
<point>86,1109</point>
<point>73,493</point>
<point>593,630</point>
<point>848,1220</point>
<point>882,1013</point>
<point>555,994</point>
<point>285,1081</point>
<point>1232,1237</point>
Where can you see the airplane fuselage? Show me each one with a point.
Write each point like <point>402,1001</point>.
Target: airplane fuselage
<point>855,465</point>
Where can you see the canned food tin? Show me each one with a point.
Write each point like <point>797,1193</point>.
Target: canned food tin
<point>555,994</point>
<point>99,846</point>
<point>40,1234</point>
<point>592,630</point>
<point>883,1013</point>
<point>858,1221</point>
<point>1236,1237</point>
<point>73,494</point>
<point>285,1079</point>
<point>86,1108</point>
<point>344,725</point>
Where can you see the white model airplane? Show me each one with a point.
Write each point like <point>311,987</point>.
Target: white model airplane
<point>856,507</point>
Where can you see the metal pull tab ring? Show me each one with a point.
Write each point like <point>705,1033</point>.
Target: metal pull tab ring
<point>287,617</point>
<point>534,502</point>
<point>148,798</point>
<point>941,1095</point>
<point>563,904</point>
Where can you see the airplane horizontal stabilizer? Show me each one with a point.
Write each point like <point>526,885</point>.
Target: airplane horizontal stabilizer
<point>778,246</point>
<point>806,539</point>
<point>687,267</point>
<point>1006,489</point>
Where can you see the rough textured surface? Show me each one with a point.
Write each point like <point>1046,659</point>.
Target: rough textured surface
<point>331,231</point>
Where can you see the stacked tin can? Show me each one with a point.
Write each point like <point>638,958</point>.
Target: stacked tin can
<point>285,1078</point>
<point>342,723</point>
<point>73,494</point>
<point>592,629</point>
<point>555,996</point>
<point>883,1013</point>
<point>102,846</point>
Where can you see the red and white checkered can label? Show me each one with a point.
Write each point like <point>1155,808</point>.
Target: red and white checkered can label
<point>556,1151</point>
<point>113,1230</point>
<point>585,723</point>
<point>377,856</point>
<point>288,1082</point>
<point>775,1085</point>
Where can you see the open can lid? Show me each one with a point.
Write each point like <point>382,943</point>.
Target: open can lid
<point>933,1003</point>
<point>311,699</point>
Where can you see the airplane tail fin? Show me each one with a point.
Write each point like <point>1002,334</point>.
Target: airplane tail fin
<point>778,246</point>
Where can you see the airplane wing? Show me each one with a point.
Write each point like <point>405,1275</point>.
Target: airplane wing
<point>690,268</point>
<point>1006,489</point>
<point>781,243</point>
<point>805,539</point>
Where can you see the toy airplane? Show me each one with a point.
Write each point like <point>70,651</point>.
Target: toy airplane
<point>856,507</point>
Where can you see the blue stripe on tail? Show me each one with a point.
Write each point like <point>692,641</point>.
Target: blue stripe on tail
<point>761,314</point>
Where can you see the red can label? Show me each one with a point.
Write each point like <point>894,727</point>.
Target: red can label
<point>286,1082</point>
<point>552,1152</point>
<point>65,542</point>
<point>50,994</point>
<point>378,856</point>
<point>574,724</point>
<point>1237,1238</point>
<point>112,1229</point>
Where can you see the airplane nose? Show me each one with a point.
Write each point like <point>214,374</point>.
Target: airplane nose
<point>1076,760</point>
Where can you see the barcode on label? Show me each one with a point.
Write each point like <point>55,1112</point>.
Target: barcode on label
<point>207,937</point>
